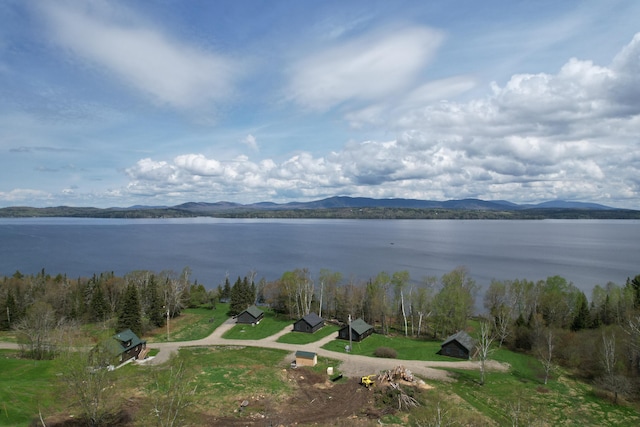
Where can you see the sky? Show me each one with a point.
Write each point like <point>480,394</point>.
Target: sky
<point>161,102</point>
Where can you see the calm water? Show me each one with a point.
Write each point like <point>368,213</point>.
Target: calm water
<point>584,252</point>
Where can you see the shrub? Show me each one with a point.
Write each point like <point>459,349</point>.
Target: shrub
<point>386,352</point>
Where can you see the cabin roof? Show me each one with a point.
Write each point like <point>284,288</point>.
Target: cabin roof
<point>305,354</point>
<point>360,326</point>
<point>312,319</point>
<point>463,338</point>
<point>254,311</point>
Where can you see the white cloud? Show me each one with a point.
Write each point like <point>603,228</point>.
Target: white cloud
<point>538,137</point>
<point>170,71</point>
<point>21,195</point>
<point>251,142</point>
<point>370,68</point>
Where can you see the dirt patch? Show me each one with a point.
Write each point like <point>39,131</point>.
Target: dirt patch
<point>316,401</point>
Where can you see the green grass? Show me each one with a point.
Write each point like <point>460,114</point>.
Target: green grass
<point>562,401</point>
<point>407,348</point>
<point>269,325</point>
<point>24,388</point>
<point>304,338</point>
<point>8,336</point>
<point>224,373</point>
<point>192,324</point>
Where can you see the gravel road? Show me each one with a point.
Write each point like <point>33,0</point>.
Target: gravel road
<point>352,365</point>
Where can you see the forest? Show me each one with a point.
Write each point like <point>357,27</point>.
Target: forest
<point>597,338</point>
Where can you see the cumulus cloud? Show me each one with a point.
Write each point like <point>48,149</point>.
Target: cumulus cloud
<point>372,67</point>
<point>170,71</point>
<point>537,137</point>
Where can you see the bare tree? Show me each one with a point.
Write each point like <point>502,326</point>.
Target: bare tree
<point>90,385</point>
<point>399,281</point>
<point>35,331</point>
<point>172,394</point>
<point>545,353</point>
<point>611,380</point>
<point>484,347</point>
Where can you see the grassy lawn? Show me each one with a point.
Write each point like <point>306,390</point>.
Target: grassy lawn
<point>8,336</point>
<point>225,373</point>
<point>269,325</point>
<point>304,338</point>
<point>562,401</point>
<point>192,324</point>
<point>24,388</point>
<point>407,348</point>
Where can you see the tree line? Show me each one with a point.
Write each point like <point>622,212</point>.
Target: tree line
<point>552,318</point>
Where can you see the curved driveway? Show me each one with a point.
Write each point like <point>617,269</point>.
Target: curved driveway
<point>351,364</point>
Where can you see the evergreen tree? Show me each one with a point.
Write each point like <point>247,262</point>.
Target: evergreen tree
<point>242,296</point>
<point>99,307</point>
<point>581,318</point>
<point>226,291</point>
<point>155,310</point>
<point>130,313</point>
<point>634,285</point>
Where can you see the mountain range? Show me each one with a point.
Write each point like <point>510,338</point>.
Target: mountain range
<point>344,207</point>
<point>365,202</point>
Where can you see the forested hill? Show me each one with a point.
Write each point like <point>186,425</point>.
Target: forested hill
<point>343,207</point>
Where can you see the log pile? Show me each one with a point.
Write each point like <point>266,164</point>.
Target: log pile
<point>393,376</point>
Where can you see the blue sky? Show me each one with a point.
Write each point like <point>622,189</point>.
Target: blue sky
<point>119,103</point>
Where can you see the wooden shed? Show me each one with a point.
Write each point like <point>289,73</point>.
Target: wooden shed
<point>459,345</point>
<point>252,315</point>
<point>306,358</point>
<point>359,330</point>
<point>309,323</point>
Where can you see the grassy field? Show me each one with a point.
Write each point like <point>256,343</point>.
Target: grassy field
<point>407,348</point>
<point>304,338</point>
<point>269,325</point>
<point>24,388</point>
<point>192,324</point>
<point>521,393</point>
<point>224,374</point>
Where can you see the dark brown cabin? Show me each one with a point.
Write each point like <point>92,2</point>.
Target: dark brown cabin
<point>359,330</point>
<point>309,323</point>
<point>251,316</point>
<point>459,345</point>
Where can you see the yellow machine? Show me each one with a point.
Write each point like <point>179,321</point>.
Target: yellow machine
<point>368,381</point>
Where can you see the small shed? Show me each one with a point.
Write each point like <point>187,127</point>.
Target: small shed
<point>306,358</point>
<point>459,345</point>
<point>309,323</point>
<point>359,330</point>
<point>252,315</point>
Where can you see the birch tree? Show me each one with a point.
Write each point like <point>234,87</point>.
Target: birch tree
<point>611,380</point>
<point>545,353</point>
<point>484,347</point>
<point>399,281</point>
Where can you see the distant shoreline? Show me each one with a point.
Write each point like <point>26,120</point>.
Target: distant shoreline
<point>322,213</point>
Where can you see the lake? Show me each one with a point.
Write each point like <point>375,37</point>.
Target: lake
<point>585,252</point>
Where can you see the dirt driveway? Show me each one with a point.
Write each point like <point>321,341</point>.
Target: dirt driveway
<point>352,365</point>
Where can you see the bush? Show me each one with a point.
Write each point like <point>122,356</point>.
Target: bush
<point>386,352</point>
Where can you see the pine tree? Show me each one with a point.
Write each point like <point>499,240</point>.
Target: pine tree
<point>155,311</point>
<point>226,291</point>
<point>130,314</point>
<point>236,301</point>
<point>581,319</point>
<point>99,307</point>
